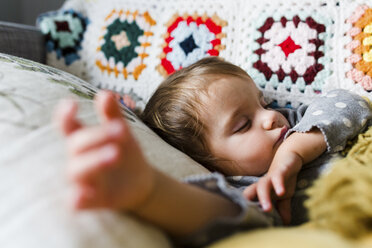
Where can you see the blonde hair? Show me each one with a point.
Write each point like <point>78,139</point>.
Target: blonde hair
<point>174,110</point>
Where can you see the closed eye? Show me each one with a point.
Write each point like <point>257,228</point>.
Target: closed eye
<point>243,125</point>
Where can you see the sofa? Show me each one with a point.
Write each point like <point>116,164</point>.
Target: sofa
<point>37,70</point>
<point>22,41</point>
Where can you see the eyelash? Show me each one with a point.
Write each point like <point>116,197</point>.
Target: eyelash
<point>246,124</point>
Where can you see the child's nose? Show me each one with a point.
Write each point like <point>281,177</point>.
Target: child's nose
<point>269,120</point>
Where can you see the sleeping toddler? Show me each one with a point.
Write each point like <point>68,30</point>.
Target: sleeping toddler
<point>262,159</point>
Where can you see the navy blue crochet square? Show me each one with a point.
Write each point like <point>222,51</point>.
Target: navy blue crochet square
<point>64,32</point>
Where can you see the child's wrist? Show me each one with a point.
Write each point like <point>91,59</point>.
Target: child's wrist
<point>308,145</point>
<point>287,160</point>
<point>149,190</point>
<point>145,189</point>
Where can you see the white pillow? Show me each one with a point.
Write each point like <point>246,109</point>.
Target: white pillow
<point>34,209</point>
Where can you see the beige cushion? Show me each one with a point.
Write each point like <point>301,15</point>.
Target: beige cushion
<point>34,209</point>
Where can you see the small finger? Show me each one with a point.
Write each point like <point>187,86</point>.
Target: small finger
<point>93,137</point>
<point>109,110</point>
<point>83,167</point>
<point>85,198</point>
<point>264,188</point>
<point>250,192</point>
<point>278,184</point>
<point>65,116</point>
<point>107,106</point>
<point>284,208</point>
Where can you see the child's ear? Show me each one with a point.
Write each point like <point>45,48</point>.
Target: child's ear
<point>107,106</point>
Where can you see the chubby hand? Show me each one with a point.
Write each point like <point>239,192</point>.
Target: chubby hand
<point>105,163</point>
<point>280,181</point>
<point>279,184</point>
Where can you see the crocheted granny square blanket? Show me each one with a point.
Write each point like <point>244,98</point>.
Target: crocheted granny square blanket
<point>293,50</point>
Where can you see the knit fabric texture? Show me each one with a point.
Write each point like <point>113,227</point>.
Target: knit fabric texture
<point>341,200</point>
<point>293,50</point>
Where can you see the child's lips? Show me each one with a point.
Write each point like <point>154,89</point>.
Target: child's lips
<point>283,131</point>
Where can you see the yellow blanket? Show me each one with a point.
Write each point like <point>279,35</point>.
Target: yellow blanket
<point>342,199</point>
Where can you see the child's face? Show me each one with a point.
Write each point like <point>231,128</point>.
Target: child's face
<point>239,127</point>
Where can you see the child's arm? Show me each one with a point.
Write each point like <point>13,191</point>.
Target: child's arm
<point>182,209</point>
<point>327,124</point>
<point>109,170</point>
<point>296,150</point>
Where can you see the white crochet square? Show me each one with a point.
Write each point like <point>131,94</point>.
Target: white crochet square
<point>287,47</point>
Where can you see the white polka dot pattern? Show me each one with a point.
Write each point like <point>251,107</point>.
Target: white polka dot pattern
<point>237,178</point>
<point>347,122</point>
<point>340,115</point>
<point>326,122</point>
<point>318,112</point>
<point>340,105</point>
<point>364,121</point>
<point>363,104</point>
<point>331,95</point>
<point>338,148</point>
